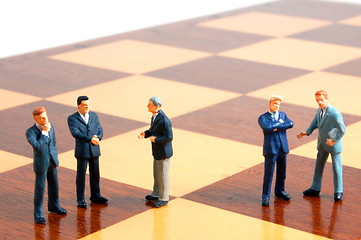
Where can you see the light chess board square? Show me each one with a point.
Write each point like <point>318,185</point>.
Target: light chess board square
<point>211,223</point>
<point>354,21</point>
<point>128,97</point>
<point>131,56</point>
<point>293,90</point>
<point>295,53</point>
<point>277,25</point>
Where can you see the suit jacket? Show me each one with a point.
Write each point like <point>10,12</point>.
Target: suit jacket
<point>44,148</point>
<point>161,127</point>
<point>274,141</point>
<point>330,126</point>
<point>83,134</point>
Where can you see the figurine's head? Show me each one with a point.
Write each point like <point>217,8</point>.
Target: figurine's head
<point>40,115</point>
<point>275,102</point>
<point>321,97</point>
<point>83,104</point>
<point>154,104</point>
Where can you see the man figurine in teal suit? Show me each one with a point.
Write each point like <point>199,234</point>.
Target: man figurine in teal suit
<point>274,124</point>
<point>331,128</point>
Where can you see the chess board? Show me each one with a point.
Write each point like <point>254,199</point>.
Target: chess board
<point>215,75</point>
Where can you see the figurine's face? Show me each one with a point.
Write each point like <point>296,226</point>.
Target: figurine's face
<point>321,101</point>
<point>274,105</point>
<point>83,108</point>
<point>41,119</point>
<point>151,107</point>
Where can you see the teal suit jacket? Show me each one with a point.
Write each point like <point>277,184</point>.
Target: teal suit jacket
<point>330,126</point>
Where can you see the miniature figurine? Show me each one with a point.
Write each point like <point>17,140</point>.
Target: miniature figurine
<point>41,137</point>
<point>161,136</point>
<point>274,124</point>
<point>331,128</point>
<point>85,127</point>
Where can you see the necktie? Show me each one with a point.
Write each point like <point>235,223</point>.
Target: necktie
<point>86,118</point>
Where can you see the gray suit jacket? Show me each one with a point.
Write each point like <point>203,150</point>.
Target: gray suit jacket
<point>330,126</point>
<point>44,148</point>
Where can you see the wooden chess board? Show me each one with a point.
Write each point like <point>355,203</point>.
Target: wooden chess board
<point>215,75</point>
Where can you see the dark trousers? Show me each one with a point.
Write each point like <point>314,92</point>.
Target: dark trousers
<point>51,175</point>
<point>94,175</point>
<point>269,165</point>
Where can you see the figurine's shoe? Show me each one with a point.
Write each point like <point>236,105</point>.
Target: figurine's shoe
<point>81,204</point>
<point>265,202</point>
<point>151,198</point>
<point>60,211</point>
<point>338,196</point>
<point>160,203</point>
<point>311,192</point>
<point>98,199</point>
<point>39,220</point>
<point>283,196</point>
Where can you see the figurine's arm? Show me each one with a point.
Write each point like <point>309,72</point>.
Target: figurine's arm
<point>310,129</point>
<point>75,131</point>
<point>268,126</point>
<point>36,143</point>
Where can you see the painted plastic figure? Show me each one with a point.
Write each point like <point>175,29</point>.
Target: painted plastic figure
<point>85,127</point>
<point>41,137</point>
<point>161,136</point>
<point>274,124</point>
<point>331,128</point>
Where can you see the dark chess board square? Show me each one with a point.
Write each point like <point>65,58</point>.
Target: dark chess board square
<point>242,193</point>
<point>228,74</point>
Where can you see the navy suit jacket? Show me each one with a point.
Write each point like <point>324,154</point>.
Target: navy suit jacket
<point>161,127</point>
<point>274,141</point>
<point>44,148</point>
<point>83,134</point>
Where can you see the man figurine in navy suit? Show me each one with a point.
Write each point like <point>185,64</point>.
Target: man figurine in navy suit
<point>85,127</point>
<point>274,124</point>
<point>331,128</point>
<point>41,137</point>
<point>161,136</point>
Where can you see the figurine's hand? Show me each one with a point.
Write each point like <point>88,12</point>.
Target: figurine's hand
<point>301,134</point>
<point>330,142</point>
<point>46,127</point>
<point>141,135</point>
<point>152,138</point>
<point>281,120</point>
<point>95,140</point>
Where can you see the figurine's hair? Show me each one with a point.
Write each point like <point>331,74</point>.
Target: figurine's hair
<point>81,98</point>
<point>156,101</point>
<point>276,97</point>
<point>38,111</point>
<point>322,92</point>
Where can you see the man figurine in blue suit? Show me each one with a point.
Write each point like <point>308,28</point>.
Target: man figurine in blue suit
<point>331,128</point>
<point>85,127</point>
<point>41,137</point>
<point>274,124</point>
<point>161,136</point>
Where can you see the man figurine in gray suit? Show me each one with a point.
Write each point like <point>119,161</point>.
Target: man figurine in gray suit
<point>161,136</point>
<point>331,129</point>
<point>41,137</point>
<point>85,127</point>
